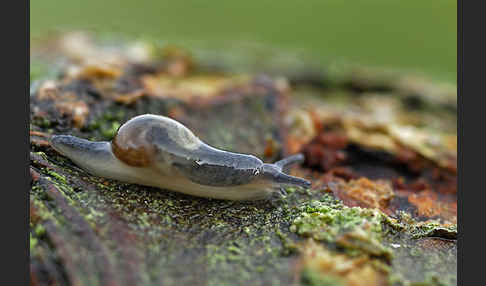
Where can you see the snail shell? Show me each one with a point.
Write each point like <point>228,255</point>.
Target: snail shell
<point>157,151</point>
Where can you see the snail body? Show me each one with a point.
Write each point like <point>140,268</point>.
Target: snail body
<point>157,151</point>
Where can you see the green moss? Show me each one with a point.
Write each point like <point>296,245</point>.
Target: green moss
<point>246,230</point>
<point>290,190</point>
<point>359,230</point>
<point>93,216</point>
<point>234,249</point>
<point>39,230</point>
<point>356,229</point>
<point>144,220</point>
<point>105,126</point>
<point>114,115</point>
<point>41,154</point>
<point>38,199</point>
<point>58,176</point>
<point>109,131</point>
<point>92,126</point>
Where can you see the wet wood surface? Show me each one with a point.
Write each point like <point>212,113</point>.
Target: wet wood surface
<point>380,150</point>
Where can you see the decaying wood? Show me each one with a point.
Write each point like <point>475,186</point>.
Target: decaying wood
<point>381,141</point>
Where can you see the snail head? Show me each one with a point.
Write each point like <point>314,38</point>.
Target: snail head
<point>275,172</point>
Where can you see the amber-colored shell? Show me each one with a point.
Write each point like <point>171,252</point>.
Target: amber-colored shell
<point>138,141</point>
<point>130,144</point>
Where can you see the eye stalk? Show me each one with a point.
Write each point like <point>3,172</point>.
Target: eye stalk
<point>274,172</point>
<point>285,163</point>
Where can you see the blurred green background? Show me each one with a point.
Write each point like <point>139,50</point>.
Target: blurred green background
<point>414,35</point>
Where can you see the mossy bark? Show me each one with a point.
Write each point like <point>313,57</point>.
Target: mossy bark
<point>87,230</point>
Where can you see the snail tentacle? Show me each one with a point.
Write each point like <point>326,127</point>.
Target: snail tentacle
<point>288,161</point>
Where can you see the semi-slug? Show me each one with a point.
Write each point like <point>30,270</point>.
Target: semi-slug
<point>157,151</point>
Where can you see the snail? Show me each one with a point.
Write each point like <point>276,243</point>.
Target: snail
<point>158,151</point>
